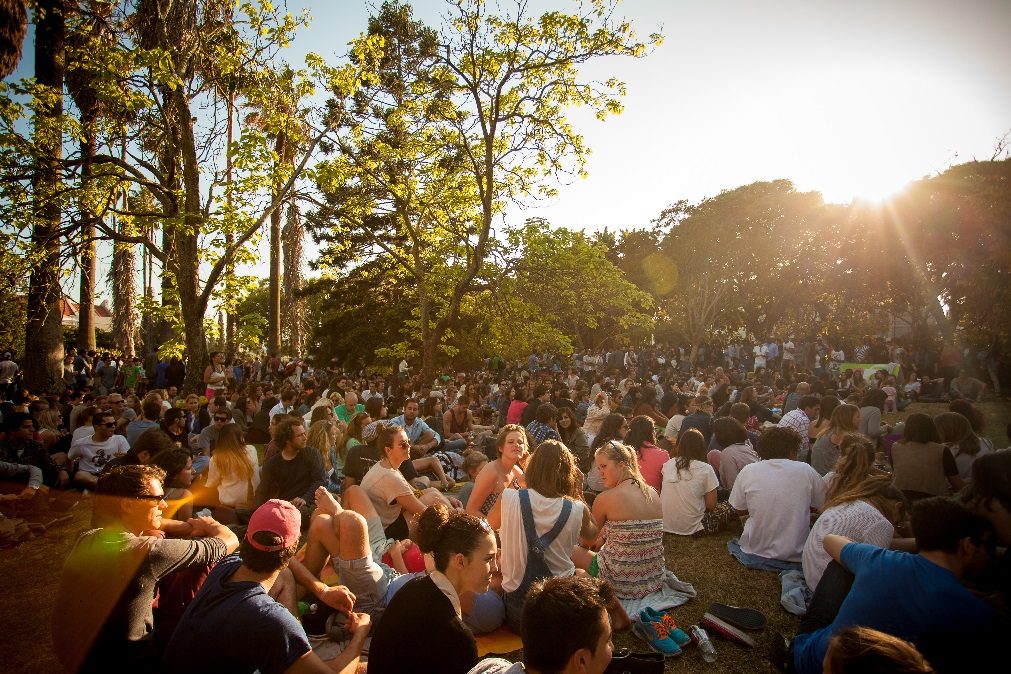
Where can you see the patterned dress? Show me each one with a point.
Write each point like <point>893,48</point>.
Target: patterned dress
<point>632,557</point>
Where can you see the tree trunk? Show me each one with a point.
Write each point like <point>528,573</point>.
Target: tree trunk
<point>13,24</point>
<point>124,322</point>
<point>294,305</point>
<point>89,263</point>
<point>427,339</point>
<point>43,362</point>
<point>274,308</point>
<point>229,229</point>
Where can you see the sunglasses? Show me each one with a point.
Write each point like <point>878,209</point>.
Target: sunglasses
<point>110,424</point>
<point>221,418</point>
<point>153,498</point>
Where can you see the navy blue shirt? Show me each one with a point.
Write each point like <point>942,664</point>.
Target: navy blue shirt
<point>235,628</point>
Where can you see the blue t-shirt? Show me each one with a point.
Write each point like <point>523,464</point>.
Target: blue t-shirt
<point>235,628</point>
<point>909,597</point>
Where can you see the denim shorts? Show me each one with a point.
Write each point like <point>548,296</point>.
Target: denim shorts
<point>370,581</point>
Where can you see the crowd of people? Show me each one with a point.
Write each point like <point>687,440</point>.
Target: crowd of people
<point>220,513</point>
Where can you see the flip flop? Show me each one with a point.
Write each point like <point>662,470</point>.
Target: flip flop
<point>745,618</point>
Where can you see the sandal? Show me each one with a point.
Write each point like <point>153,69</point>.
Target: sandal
<point>745,618</point>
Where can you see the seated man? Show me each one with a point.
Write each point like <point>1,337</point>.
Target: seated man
<point>253,594</point>
<point>104,619</point>
<point>579,603</point>
<point>778,495</point>
<point>294,473</point>
<point>964,386</point>
<point>20,447</point>
<point>95,450</point>
<point>918,598</point>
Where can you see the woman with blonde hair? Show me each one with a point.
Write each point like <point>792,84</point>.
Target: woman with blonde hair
<point>630,518</point>
<point>234,470</point>
<point>505,472</point>
<point>324,437</point>
<point>825,451</point>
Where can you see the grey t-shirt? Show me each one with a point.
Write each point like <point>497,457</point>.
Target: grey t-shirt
<point>497,666</point>
<point>104,603</point>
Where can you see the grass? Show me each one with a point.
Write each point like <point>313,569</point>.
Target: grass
<point>32,570</point>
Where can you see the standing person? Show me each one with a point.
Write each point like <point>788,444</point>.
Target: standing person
<point>777,494</point>
<point>215,376</point>
<point>245,596</point>
<point>426,611</point>
<point>8,371</point>
<point>94,451</point>
<point>104,620</point>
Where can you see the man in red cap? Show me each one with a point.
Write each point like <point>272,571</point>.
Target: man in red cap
<point>243,619</point>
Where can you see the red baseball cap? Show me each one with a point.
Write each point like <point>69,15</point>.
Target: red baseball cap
<point>277,517</point>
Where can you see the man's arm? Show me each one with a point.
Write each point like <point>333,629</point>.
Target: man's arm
<point>834,545</point>
<point>347,662</point>
<point>337,597</point>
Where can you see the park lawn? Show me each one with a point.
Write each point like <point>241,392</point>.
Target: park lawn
<point>31,572</point>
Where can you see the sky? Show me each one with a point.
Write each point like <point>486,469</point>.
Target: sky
<point>852,98</point>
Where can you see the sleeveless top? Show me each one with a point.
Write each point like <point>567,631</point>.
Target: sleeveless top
<point>457,425</point>
<point>632,557</point>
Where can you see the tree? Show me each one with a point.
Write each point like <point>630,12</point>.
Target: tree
<point>456,126</point>
<point>13,24</point>
<point>43,335</point>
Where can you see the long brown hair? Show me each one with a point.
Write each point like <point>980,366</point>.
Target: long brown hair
<point>230,454</point>
<point>552,472</point>
<point>856,462</point>
<point>875,489</point>
<point>318,438</point>
<point>956,430</point>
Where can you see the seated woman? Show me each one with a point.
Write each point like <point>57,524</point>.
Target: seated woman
<point>630,519</point>
<point>573,436</point>
<point>324,437</point>
<point>921,464</point>
<point>234,473</point>
<point>825,451</point>
<point>541,526</point>
<point>737,452</point>
<point>615,427</point>
<point>689,487</point>
<point>395,500</point>
<point>596,413</point>
<point>856,462</point>
<point>866,513</point>
<point>643,403</point>
<point>178,467</point>
<point>426,612</point>
<point>955,431</point>
<point>641,437</point>
<point>824,419</point>
<point>504,472</point>
<point>872,405</point>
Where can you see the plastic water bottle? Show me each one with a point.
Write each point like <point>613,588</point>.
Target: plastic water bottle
<point>705,645</point>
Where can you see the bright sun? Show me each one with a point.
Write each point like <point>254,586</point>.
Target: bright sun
<point>842,184</point>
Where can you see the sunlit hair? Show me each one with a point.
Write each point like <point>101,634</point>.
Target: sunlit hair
<point>875,489</point>
<point>623,454</point>
<point>861,649</point>
<point>49,419</point>
<point>500,440</point>
<point>319,438</point>
<point>855,463</point>
<point>473,460</point>
<point>129,481</point>
<point>552,472</point>
<point>230,455</point>
<point>955,430</point>
<point>444,533</point>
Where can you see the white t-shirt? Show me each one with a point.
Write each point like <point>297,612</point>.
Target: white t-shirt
<point>682,496</point>
<point>94,455</point>
<point>857,520</point>
<point>778,495</point>
<point>788,350</point>
<point>673,427</point>
<point>384,485</point>
<point>558,556</point>
<point>232,490</point>
<point>761,353</point>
